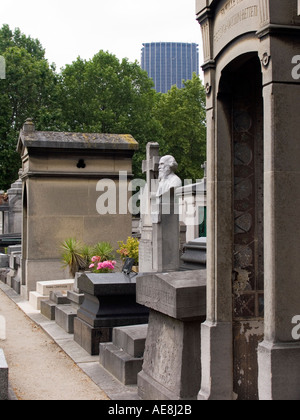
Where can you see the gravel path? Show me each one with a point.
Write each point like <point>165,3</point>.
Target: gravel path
<point>38,368</point>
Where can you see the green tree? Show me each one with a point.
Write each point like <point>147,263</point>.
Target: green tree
<point>181,114</point>
<point>110,96</point>
<point>98,95</point>
<point>28,91</point>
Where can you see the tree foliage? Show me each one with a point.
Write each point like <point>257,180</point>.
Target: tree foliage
<point>108,96</point>
<point>181,113</point>
<point>102,94</point>
<point>26,92</point>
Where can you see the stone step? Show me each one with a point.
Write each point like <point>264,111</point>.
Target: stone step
<point>123,358</point>
<point>64,317</point>
<point>131,339</point>
<point>48,309</point>
<point>48,306</point>
<point>35,300</point>
<point>120,364</point>
<point>59,298</point>
<point>76,299</point>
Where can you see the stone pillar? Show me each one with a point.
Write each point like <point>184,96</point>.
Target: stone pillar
<point>279,353</point>
<point>252,82</point>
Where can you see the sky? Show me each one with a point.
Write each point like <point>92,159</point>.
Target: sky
<point>71,28</point>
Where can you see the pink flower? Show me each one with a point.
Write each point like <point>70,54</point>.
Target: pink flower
<point>99,266</point>
<point>92,266</point>
<point>106,265</point>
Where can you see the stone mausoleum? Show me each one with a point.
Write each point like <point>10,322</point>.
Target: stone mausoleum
<point>252,79</point>
<point>61,174</point>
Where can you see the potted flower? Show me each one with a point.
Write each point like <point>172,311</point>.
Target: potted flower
<point>77,256</point>
<point>98,266</point>
<point>130,249</point>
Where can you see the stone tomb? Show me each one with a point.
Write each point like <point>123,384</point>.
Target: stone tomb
<point>253,195</point>
<point>62,176</point>
<point>177,302</point>
<point>44,288</point>
<point>12,214</point>
<point>12,276</point>
<point>109,301</point>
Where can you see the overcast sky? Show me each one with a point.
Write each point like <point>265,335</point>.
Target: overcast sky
<point>71,28</point>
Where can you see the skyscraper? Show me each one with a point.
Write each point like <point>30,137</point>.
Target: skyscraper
<point>169,63</point>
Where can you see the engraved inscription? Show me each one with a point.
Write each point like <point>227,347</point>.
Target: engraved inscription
<point>235,19</point>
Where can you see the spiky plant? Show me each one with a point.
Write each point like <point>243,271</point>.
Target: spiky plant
<point>104,250</point>
<point>73,256</point>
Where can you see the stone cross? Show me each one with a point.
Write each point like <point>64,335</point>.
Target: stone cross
<point>150,167</point>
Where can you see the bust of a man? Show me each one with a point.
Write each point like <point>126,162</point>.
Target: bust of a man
<point>167,177</point>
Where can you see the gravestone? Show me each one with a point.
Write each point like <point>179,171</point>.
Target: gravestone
<point>63,176</point>
<point>109,301</point>
<point>193,205</point>
<point>177,307</point>
<point>166,234</point>
<point>172,358</point>
<point>253,194</point>
<point>12,212</point>
<point>165,218</point>
<point>14,275</point>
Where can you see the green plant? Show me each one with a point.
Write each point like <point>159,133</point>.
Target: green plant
<point>73,255</point>
<point>130,249</point>
<point>104,250</point>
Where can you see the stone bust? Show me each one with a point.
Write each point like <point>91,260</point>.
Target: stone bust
<point>167,177</point>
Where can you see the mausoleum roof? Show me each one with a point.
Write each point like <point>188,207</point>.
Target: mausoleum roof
<point>30,138</point>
